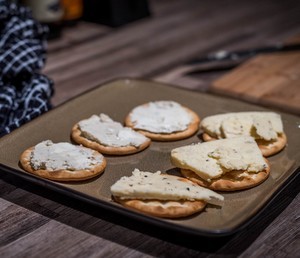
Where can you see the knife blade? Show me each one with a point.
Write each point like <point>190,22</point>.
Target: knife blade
<point>223,55</point>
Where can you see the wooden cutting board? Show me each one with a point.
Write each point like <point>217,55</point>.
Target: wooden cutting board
<point>272,80</point>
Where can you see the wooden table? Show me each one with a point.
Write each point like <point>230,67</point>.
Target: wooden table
<point>38,222</point>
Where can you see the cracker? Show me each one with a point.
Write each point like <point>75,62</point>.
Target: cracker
<point>110,150</point>
<point>162,195</point>
<point>267,148</point>
<point>62,174</point>
<point>164,209</point>
<point>174,136</point>
<point>231,181</point>
<point>271,148</point>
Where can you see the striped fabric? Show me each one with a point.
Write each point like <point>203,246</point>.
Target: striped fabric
<point>25,93</point>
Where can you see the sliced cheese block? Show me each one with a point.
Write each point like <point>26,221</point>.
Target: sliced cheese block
<point>157,186</point>
<point>213,159</point>
<point>161,117</point>
<point>260,125</point>
<point>105,131</point>
<point>56,156</point>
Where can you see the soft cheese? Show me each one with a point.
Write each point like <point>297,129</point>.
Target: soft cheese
<point>161,117</point>
<point>55,156</point>
<point>212,159</point>
<point>105,131</point>
<point>259,125</point>
<point>157,186</point>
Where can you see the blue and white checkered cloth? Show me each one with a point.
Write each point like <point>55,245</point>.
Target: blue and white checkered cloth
<point>25,93</point>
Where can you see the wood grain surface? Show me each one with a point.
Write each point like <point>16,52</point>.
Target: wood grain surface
<point>272,80</point>
<point>176,32</point>
<point>37,222</point>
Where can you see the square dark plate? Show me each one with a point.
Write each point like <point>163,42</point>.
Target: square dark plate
<point>116,99</point>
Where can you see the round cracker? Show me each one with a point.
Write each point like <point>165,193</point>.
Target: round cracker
<point>231,181</point>
<point>267,148</point>
<point>189,131</point>
<point>110,150</point>
<point>164,209</point>
<point>62,174</point>
<point>271,148</point>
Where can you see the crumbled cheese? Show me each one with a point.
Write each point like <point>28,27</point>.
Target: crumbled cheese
<point>157,186</point>
<point>234,162</point>
<point>264,128</point>
<point>105,131</point>
<point>215,158</point>
<point>55,156</point>
<point>161,117</point>
<point>236,126</point>
<point>259,125</point>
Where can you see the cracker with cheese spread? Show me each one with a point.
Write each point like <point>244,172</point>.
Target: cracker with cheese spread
<point>265,127</point>
<point>163,120</point>
<point>161,195</point>
<point>103,134</point>
<point>62,161</point>
<point>223,165</point>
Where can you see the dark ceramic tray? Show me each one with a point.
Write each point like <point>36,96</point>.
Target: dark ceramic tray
<point>116,99</point>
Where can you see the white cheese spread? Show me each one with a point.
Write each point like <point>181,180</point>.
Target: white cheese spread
<point>161,117</point>
<point>259,125</point>
<point>157,186</point>
<point>105,131</point>
<point>55,156</point>
<point>215,158</point>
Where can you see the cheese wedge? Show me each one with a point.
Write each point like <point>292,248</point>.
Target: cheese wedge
<point>213,159</point>
<point>157,186</point>
<point>259,125</point>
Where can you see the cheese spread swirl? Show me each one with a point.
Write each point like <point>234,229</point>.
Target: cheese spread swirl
<point>161,117</point>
